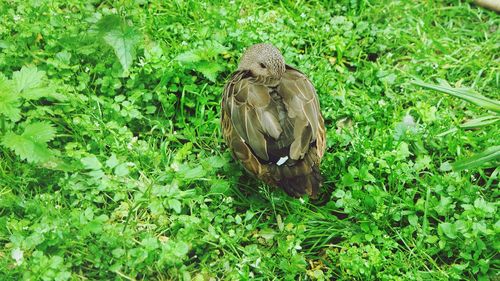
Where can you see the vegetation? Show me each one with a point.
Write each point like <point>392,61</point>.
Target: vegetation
<point>113,167</point>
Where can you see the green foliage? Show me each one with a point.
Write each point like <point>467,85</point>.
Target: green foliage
<point>121,37</point>
<point>31,145</point>
<point>203,59</point>
<point>463,93</point>
<point>28,84</point>
<point>112,165</point>
<point>491,155</point>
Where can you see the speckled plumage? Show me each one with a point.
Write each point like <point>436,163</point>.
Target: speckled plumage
<point>272,123</point>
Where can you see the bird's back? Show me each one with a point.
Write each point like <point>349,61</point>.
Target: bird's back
<point>280,138</point>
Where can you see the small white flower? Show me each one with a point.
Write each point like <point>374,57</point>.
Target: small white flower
<point>256,263</point>
<point>408,120</point>
<point>17,255</point>
<point>141,62</point>
<point>175,166</point>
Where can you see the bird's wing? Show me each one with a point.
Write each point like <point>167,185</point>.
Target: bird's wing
<point>302,106</point>
<point>252,112</point>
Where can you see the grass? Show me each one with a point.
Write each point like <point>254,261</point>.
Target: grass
<point>113,167</point>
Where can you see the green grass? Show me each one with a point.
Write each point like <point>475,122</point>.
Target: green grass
<point>113,167</point>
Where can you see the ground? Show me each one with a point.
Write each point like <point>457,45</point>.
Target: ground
<point>113,166</point>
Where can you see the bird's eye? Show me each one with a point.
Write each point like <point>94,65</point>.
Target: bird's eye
<point>262,65</point>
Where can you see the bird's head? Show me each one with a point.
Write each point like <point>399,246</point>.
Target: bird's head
<point>263,60</point>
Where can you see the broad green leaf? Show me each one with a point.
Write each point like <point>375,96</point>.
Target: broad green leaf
<point>40,132</point>
<point>121,170</point>
<point>118,252</point>
<point>40,92</point>
<point>31,145</point>
<point>181,249</point>
<point>91,163</point>
<point>486,207</point>
<point>175,205</point>
<point>267,233</point>
<point>150,243</point>
<point>403,151</point>
<point>27,148</point>
<point>389,79</point>
<point>56,262</point>
<point>463,93</point>
<point>189,172</point>
<point>209,69</point>
<point>34,240</point>
<point>220,187</point>
<point>64,57</point>
<point>9,100</point>
<point>432,239</point>
<point>27,78</point>
<point>490,154</point>
<point>152,50</point>
<point>213,48</point>
<point>28,83</point>
<point>112,161</point>
<point>449,229</point>
<point>121,37</point>
<point>188,57</point>
<point>123,43</point>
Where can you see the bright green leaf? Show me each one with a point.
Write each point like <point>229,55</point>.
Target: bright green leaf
<point>209,69</point>
<point>181,249</point>
<point>188,57</point>
<point>40,92</point>
<point>463,93</point>
<point>448,229</point>
<point>91,163</point>
<point>31,145</point>
<point>491,154</point>
<point>121,170</point>
<point>121,38</point>
<point>9,99</point>
<point>175,205</point>
<point>191,173</point>
<point>480,122</point>
<point>112,161</point>
<point>40,132</point>
<point>27,78</point>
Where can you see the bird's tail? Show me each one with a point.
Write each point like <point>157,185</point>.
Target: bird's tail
<point>300,182</point>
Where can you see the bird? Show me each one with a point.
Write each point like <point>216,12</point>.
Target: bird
<point>272,123</point>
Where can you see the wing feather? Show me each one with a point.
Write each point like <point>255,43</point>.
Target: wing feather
<point>302,105</point>
<point>252,113</point>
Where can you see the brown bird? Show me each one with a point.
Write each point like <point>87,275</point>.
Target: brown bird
<point>272,123</point>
